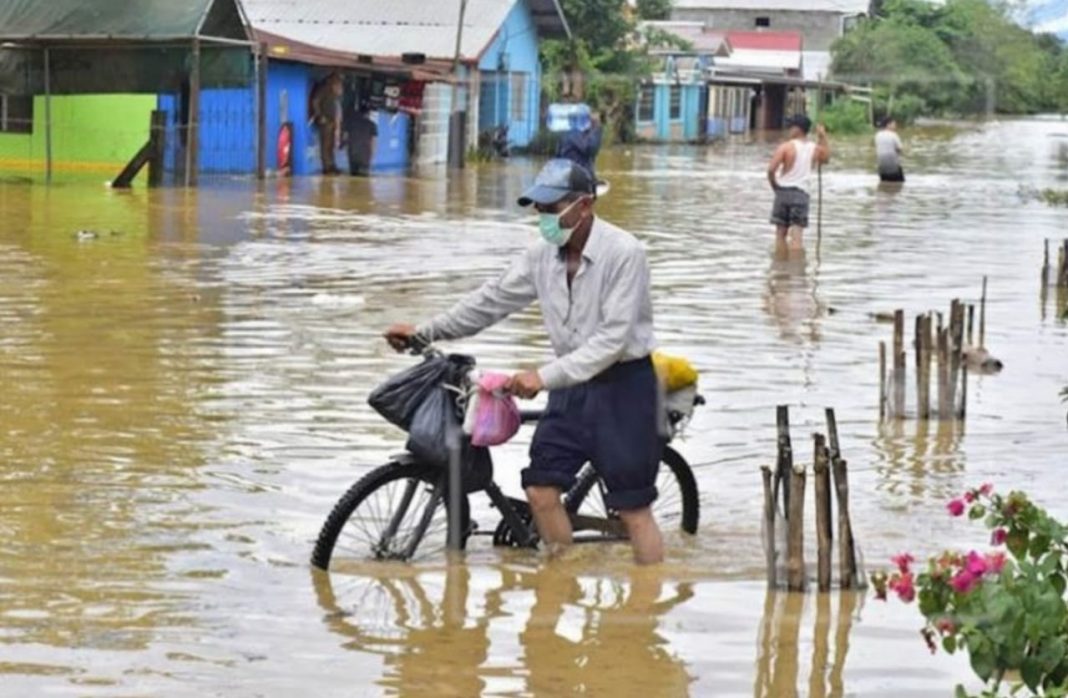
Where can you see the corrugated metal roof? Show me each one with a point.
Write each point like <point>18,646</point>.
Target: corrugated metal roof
<point>392,27</point>
<point>765,41</point>
<point>704,40</point>
<point>849,7</point>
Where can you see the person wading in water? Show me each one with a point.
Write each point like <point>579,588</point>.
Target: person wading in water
<point>591,280</point>
<point>789,173</point>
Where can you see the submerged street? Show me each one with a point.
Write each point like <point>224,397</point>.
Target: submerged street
<point>184,399</point>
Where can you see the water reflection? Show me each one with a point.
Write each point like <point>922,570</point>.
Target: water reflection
<point>779,658</point>
<point>792,298</point>
<point>535,631</point>
<point>920,458</point>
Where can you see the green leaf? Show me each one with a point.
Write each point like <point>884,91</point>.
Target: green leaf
<point>960,692</point>
<point>1058,582</point>
<point>982,661</point>
<point>977,512</point>
<point>1039,545</point>
<point>1031,671</point>
<point>1016,542</point>
<point>949,643</point>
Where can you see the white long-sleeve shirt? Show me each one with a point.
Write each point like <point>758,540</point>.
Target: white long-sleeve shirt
<point>604,318</point>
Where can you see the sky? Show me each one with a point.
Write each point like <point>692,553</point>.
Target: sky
<point>1050,16</point>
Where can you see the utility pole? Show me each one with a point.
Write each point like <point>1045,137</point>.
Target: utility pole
<point>457,128</point>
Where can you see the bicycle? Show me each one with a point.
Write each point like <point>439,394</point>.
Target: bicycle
<point>399,510</point>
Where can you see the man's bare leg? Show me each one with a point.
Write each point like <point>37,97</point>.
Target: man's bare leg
<point>644,535</point>
<point>550,517</point>
<point>780,234</point>
<point>797,237</point>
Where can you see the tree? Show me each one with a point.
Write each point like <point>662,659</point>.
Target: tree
<point>654,9</point>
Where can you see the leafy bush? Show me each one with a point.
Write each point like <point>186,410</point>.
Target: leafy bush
<point>845,117</point>
<point>1005,608</point>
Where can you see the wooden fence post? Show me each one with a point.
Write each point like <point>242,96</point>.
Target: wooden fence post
<point>770,554</point>
<point>899,364</point>
<point>882,381</point>
<point>786,457</point>
<point>795,527</point>
<point>822,488</point>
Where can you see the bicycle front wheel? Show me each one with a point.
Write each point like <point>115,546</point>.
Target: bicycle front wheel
<point>398,511</point>
<point>676,508</point>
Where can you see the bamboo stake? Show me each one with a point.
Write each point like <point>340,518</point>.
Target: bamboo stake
<point>962,409</point>
<point>982,312</point>
<point>1045,266</point>
<point>786,458</point>
<point>943,373</point>
<point>847,561</point>
<point>833,446</point>
<point>769,526</point>
<point>822,489</point>
<point>956,339</point>
<point>882,381</point>
<point>923,366</point>
<point>971,325</point>
<point>899,364</point>
<point>795,527</point>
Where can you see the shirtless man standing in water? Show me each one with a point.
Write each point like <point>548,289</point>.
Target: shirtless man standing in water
<point>789,172</point>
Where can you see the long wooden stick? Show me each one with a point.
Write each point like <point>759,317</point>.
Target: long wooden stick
<point>1045,266</point>
<point>822,488</point>
<point>769,527</point>
<point>982,312</point>
<point>786,457</point>
<point>899,364</point>
<point>882,381</point>
<point>923,367</point>
<point>795,527</point>
<point>847,561</point>
<point>943,373</point>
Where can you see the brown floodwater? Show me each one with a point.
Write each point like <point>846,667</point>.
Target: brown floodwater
<point>182,399</point>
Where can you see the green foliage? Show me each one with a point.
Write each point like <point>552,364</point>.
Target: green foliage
<point>654,9</point>
<point>1007,611</point>
<point>845,117</point>
<point>961,57</point>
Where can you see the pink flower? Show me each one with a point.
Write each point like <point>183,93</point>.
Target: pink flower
<point>963,581</point>
<point>903,561</point>
<point>955,507</point>
<point>975,564</point>
<point>946,626</point>
<point>903,587</point>
<point>998,536</point>
<point>969,497</point>
<point>985,489</point>
<point>995,562</point>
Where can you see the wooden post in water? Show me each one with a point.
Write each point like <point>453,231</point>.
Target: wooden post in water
<point>847,560</point>
<point>1062,278</point>
<point>962,409</point>
<point>882,381</point>
<point>822,487</point>
<point>923,393</point>
<point>982,315</point>
<point>943,373</point>
<point>899,364</point>
<point>795,531</point>
<point>786,457</point>
<point>1045,267</point>
<point>956,341</point>
<point>770,553</point>
<point>971,325</point>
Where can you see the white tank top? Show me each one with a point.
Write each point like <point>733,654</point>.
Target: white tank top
<point>798,175</point>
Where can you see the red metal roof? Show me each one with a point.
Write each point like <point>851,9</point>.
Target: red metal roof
<point>765,41</point>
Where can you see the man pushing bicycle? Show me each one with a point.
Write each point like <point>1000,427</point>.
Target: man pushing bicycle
<point>591,280</point>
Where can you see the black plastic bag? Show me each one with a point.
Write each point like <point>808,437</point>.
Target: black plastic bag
<point>401,395</point>
<point>428,435</point>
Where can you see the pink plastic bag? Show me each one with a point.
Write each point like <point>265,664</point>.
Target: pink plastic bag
<point>497,415</point>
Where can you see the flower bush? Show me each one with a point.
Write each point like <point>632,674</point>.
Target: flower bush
<point>1004,607</point>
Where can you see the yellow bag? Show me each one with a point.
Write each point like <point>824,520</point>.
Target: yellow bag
<point>674,372</point>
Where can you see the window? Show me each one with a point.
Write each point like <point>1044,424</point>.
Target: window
<point>16,114</point>
<point>763,22</point>
<point>519,96</point>
<point>647,103</point>
<point>675,103</point>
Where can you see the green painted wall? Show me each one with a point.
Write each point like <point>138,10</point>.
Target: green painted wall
<point>90,133</point>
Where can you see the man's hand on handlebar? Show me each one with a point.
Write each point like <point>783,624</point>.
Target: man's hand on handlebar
<point>400,336</point>
<point>525,384</point>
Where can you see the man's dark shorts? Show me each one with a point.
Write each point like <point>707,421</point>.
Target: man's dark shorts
<point>612,422</point>
<point>790,208</point>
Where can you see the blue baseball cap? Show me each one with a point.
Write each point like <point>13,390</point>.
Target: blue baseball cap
<point>556,180</point>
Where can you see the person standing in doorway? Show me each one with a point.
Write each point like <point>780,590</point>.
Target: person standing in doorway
<point>888,152</point>
<point>362,132</point>
<point>591,280</point>
<point>326,116</point>
<point>789,173</point>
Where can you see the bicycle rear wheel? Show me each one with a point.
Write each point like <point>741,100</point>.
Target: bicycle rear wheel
<point>676,508</point>
<point>397,511</point>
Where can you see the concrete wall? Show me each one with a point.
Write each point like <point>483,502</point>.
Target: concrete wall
<point>516,44</point>
<point>819,29</point>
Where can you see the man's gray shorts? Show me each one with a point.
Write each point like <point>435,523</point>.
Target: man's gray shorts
<point>790,208</point>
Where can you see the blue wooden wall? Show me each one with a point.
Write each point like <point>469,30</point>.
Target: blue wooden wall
<point>513,50</point>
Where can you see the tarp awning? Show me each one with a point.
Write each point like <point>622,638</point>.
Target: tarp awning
<point>65,21</point>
